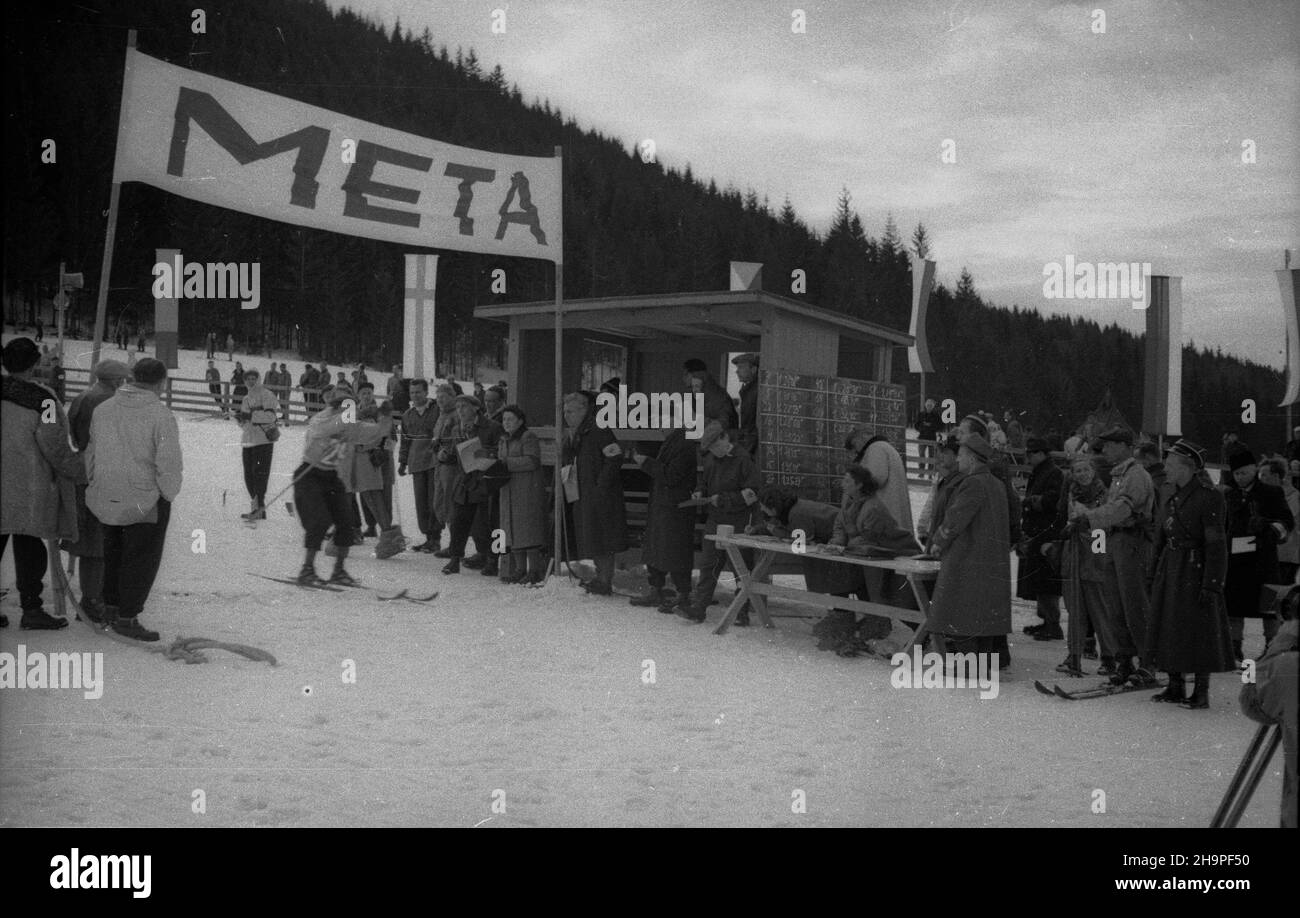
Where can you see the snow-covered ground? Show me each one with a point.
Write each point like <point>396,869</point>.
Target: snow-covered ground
<point>538,699</point>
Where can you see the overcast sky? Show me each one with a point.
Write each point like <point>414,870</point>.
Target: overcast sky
<point>1121,146</point>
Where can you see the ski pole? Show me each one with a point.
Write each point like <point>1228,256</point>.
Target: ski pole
<point>1269,737</point>
<point>1234,786</point>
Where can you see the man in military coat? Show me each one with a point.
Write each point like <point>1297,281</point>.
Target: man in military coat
<point>1188,627</point>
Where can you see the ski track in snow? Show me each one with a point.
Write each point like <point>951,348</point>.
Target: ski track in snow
<point>535,699</point>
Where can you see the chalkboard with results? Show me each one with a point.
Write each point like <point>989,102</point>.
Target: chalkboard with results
<point>803,421</point>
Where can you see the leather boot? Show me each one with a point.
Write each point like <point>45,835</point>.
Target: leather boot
<point>655,598</point>
<point>1175,692</point>
<point>1123,670</point>
<point>1200,699</point>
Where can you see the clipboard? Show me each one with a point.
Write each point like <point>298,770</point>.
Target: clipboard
<point>1243,544</point>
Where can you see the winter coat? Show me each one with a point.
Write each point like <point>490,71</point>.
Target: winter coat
<point>134,456</point>
<point>38,468</point>
<point>523,497</point>
<point>972,596</point>
<point>83,408</point>
<point>257,411</point>
<point>90,535</point>
<point>446,434</point>
<point>669,542</point>
<point>866,525</point>
<point>1083,563</point>
<point>599,515</point>
<point>817,520</point>
<point>1289,551</point>
<point>727,478</point>
<point>359,474</point>
<point>936,504</point>
<point>886,466</point>
<point>928,425</point>
<point>1184,634</point>
<point>1038,527</point>
<point>416,451</point>
<point>718,405</point>
<point>1250,513</point>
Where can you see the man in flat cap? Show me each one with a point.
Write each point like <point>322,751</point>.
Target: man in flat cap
<point>747,371</point>
<point>1258,520</point>
<point>89,547</point>
<point>1127,518</point>
<point>1188,629</point>
<point>717,403</point>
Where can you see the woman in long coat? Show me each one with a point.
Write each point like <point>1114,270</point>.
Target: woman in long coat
<point>668,547</point>
<point>1255,510</point>
<point>972,596</point>
<point>599,516</point>
<point>523,497</point>
<point>1035,579</point>
<point>1188,628</point>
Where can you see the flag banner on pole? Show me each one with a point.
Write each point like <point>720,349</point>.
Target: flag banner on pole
<point>231,146</point>
<point>918,355</point>
<point>166,318</point>
<point>1162,402</point>
<point>418,356</point>
<point>1289,283</point>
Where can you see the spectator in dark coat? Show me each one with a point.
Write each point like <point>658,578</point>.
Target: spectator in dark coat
<point>718,405</point>
<point>416,455</point>
<point>1036,580</point>
<point>1258,512</point>
<point>595,463</point>
<point>1188,629</point>
<point>731,483</point>
<point>747,372</point>
<point>669,544</point>
<point>523,498</point>
<point>470,493</point>
<point>928,425</point>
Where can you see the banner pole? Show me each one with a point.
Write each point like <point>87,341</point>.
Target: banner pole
<point>559,372</point>
<point>110,234</point>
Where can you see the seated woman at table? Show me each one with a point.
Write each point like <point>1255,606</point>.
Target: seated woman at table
<point>865,526</point>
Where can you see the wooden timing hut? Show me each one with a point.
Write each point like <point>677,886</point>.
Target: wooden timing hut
<point>821,372</point>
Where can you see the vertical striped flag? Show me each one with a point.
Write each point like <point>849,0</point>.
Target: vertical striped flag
<point>1289,283</point>
<point>1162,402</point>
<point>166,319</point>
<point>918,355</point>
<point>419,360</point>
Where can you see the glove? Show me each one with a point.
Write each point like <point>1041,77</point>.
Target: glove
<point>401,469</point>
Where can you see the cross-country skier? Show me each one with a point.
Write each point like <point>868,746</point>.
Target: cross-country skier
<point>318,491</point>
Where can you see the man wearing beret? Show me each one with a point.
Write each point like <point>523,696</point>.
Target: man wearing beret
<point>1188,628</point>
<point>1258,520</point>
<point>747,372</point>
<point>1127,517</point>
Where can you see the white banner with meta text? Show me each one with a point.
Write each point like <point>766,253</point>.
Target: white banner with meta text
<point>225,144</point>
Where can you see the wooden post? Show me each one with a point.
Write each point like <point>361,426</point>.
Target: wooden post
<point>110,235</point>
<point>559,375</point>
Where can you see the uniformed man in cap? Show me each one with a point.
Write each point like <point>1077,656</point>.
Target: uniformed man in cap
<point>1127,519</point>
<point>747,372</point>
<point>1188,628</point>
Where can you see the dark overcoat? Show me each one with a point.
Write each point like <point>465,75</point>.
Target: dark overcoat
<point>1248,571</point>
<point>972,596</point>
<point>1185,634</point>
<point>1038,527</point>
<point>669,543</point>
<point>599,516</point>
